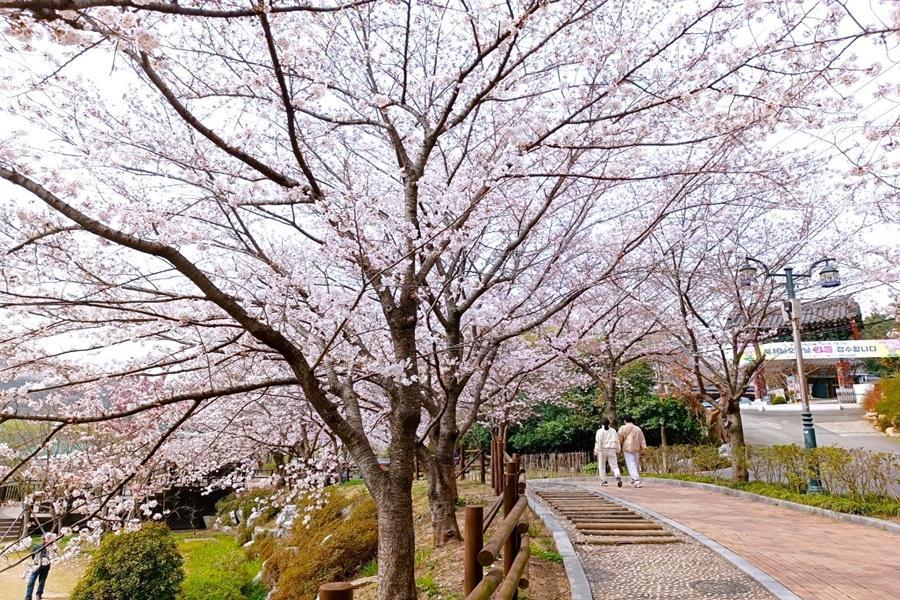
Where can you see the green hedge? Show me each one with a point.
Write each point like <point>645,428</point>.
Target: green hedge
<point>141,564</point>
<point>857,473</point>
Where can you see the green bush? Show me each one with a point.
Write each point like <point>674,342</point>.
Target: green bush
<point>339,538</point>
<point>141,564</point>
<point>567,426</point>
<point>887,403</point>
<point>856,473</point>
<point>682,458</point>
<point>779,399</point>
<point>590,468</point>
<point>217,569</point>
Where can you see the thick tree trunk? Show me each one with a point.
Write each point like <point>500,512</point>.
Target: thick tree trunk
<point>664,442</point>
<point>442,496</point>
<point>611,412</point>
<point>442,489</point>
<point>392,491</point>
<point>738,445</point>
<point>396,542</point>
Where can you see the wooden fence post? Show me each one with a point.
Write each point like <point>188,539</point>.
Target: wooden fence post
<point>496,461</point>
<point>336,591</point>
<point>481,466</point>
<point>510,497</point>
<point>474,540</point>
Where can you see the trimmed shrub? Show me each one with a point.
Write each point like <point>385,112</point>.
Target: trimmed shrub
<point>779,399</point>
<point>332,545</point>
<point>141,564</point>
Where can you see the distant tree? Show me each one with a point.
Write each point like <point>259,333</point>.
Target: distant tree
<point>664,419</point>
<point>565,426</point>
<point>878,326</point>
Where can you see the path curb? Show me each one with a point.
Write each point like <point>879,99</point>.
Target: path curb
<point>578,581</point>
<point>814,510</point>
<point>776,588</point>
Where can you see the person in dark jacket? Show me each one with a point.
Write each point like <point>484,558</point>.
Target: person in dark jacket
<point>40,566</point>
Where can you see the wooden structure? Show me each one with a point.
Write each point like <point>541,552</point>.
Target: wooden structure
<point>511,535</point>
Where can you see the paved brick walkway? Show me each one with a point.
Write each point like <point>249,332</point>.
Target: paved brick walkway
<point>684,570</point>
<point>817,558</point>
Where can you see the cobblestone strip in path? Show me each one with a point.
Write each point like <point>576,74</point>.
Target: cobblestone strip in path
<point>816,557</point>
<point>641,570</point>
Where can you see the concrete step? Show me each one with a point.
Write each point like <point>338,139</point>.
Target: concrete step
<point>619,525</point>
<point>620,541</point>
<point>605,521</point>
<point>601,522</point>
<point>596,511</point>
<point>625,532</point>
<point>589,508</point>
<point>602,516</point>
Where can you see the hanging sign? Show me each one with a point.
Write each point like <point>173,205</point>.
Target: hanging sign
<point>831,350</point>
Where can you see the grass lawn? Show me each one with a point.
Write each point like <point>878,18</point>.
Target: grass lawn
<point>195,546</point>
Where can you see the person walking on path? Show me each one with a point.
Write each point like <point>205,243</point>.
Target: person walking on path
<point>606,447</point>
<point>40,568</point>
<point>633,445</point>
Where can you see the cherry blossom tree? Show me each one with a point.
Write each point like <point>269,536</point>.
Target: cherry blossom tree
<point>618,327</point>
<point>716,318</point>
<point>348,206</point>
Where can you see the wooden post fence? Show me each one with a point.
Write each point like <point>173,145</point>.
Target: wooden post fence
<point>511,535</point>
<point>465,466</point>
<point>474,540</point>
<point>481,465</point>
<point>336,591</point>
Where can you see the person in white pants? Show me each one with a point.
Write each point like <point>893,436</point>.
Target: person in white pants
<point>606,447</point>
<point>633,445</point>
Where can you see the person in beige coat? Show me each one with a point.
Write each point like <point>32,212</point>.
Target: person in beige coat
<point>633,445</point>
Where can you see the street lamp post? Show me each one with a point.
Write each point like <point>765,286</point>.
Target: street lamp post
<point>828,278</point>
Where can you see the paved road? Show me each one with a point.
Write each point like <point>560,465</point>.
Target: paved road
<point>846,428</point>
<point>817,558</point>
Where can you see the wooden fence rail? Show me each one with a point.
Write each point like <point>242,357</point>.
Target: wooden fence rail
<point>511,535</point>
